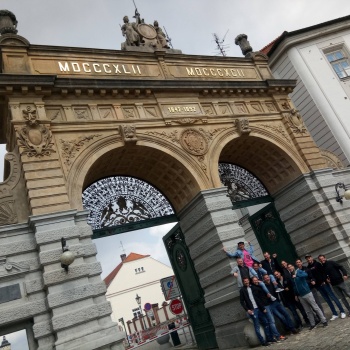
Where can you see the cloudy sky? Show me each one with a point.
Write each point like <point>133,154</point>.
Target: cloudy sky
<point>189,23</point>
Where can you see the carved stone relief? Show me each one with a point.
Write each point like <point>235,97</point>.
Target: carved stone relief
<point>151,112</point>
<point>128,132</point>
<point>295,121</point>
<point>186,121</point>
<point>256,106</point>
<point>8,214</point>
<point>72,147</point>
<point>332,160</point>
<point>277,129</point>
<point>82,113</point>
<point>224,109</point>
<point>54,114</point>
<point>241,108</point>
<point>7,266</point>
<point>242,125</point>
<point>34,138</point>
<point>129,112</point>
<point>106,113</point>
<point>194,142</point>
<point>270,107</point>
<point>208,110</point>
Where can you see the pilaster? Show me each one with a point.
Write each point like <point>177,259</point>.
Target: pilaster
<point>79,312</point>
<point>209,223</point>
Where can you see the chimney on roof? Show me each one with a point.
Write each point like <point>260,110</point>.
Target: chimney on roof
<point>123,257</point>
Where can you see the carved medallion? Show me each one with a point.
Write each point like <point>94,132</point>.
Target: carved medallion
<point>129,133</point>
<point>194,142</point>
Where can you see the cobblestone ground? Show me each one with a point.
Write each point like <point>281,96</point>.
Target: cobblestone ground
<point>336,336</point>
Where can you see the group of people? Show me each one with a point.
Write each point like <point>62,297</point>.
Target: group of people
<point>268,287</point>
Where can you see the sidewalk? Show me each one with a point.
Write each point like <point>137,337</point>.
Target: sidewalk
<point>336,337</point>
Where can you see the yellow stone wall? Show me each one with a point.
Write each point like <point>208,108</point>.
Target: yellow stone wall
<point>78,115</point>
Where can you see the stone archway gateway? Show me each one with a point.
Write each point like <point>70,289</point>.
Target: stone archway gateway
<point>72,116</point>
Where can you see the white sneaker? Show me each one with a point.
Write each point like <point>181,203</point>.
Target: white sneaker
<point>273,299</point>
<point>334,317</point>
<point>342,315</point>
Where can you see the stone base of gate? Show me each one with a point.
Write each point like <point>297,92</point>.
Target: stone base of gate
<point>65,310</point>
<point>209,223</point>
<point>315,221</point>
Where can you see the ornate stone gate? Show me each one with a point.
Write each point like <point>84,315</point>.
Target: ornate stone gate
<point>71,116</point>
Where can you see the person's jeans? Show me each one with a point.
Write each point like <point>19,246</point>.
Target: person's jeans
<point>317,298</point>
<point>278,310</point>
<point>271,320</point>
<point>260,316</point>
<point>327,294</point>
<point>342,291</point>
<point>293,308</point>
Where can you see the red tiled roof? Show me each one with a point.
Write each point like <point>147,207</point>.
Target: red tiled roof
<point>266,49</point>
<point>131,257</point>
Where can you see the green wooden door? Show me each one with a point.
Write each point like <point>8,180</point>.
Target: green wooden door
<point>272,235</point>
<point>191,290</point>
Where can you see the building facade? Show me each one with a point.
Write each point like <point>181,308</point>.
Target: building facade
<point>318,57</point>
<point>71,116</point>
<point>135,275</point>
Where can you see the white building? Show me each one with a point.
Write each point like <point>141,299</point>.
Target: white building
<point>136,274</point>
<point>318,58</point>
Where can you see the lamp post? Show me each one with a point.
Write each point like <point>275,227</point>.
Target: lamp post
<point>121,320</point>
<point>67,256</point>
<point>138,300</point>
<point>346,194</point>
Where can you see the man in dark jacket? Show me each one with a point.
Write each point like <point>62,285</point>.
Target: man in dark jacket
<point>255,311</point>
<point>288,298</point>
<point>277,308</point>
<point>320,282</point>
<point>302,290</point>
<point>336,275</point>
<point>270,264</point>
<point>264,302</point>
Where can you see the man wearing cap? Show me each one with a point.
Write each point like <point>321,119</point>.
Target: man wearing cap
<point>241,252</point>
<point>336,274</point>
<point>319,275</point>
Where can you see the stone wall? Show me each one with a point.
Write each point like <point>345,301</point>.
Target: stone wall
<point>209,223</point>
<point>69,309</point>
<point>317,224</point>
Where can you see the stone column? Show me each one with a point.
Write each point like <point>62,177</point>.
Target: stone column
<point>209,223</point>
<point>79,312</point>
<point>316,222</point>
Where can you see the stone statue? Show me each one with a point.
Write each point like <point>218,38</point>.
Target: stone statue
<point>244,44</point>
<point>130,33</point>
<point>161,37</point>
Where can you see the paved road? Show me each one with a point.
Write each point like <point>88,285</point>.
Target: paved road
<point>334,337</point>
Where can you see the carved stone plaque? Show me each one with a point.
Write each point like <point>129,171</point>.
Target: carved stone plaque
<point>194,142</point>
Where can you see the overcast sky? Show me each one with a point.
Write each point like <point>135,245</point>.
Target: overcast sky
<point>189,23</point>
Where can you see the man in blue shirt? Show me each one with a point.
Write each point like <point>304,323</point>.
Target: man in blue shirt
<point>306,298</point>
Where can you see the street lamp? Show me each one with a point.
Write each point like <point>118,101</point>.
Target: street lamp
<point>138,300</point>
<point>346,194</point>
<point>67,256</point>
<point>121,320</point>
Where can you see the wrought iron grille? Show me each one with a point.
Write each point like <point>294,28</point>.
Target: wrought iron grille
<point>241,184</point>
<point>120,200</point>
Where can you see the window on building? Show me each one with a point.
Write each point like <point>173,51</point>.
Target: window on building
<point>139,270</point>
<point>136,312</point>
<point>340,62</point>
